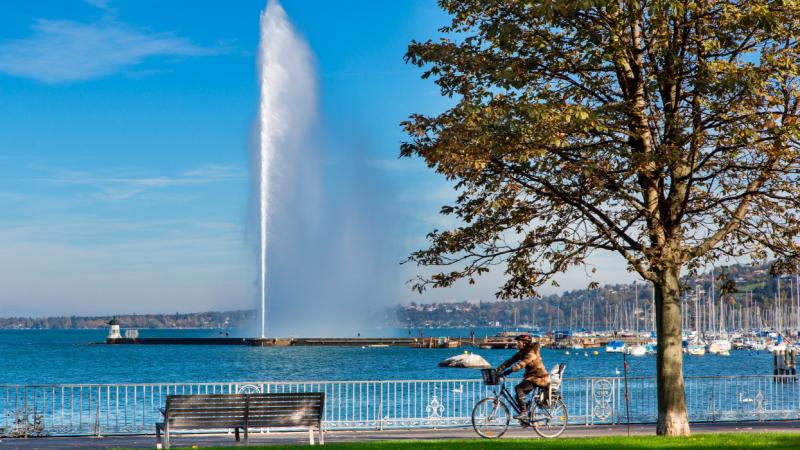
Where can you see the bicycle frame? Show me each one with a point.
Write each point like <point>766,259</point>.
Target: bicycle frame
<point>505,395</point>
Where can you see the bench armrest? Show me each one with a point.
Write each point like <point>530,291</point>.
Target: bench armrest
<point>163,411</point>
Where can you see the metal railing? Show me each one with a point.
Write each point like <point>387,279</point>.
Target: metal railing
<point>104,409</point>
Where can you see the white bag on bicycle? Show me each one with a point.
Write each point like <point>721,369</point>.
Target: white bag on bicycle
<point>556,376</point>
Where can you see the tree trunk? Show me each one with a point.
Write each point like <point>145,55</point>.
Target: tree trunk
<point>673,419</point>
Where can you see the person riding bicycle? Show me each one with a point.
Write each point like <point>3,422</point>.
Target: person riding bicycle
<point>529,357</point>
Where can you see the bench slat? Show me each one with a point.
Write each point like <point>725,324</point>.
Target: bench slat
<point>241,419</point>
<point>262,407</point>
<point>205,410</point>
<point>241,410</point>
<point>200,401</point>
<point>206,424</point>
<point>243,407</point>
<point>233,422</point>
<point>272,395</point>
<point>228,425</point>
<point>290,404</point>
<point>305,416</point>
<point>283,424</point>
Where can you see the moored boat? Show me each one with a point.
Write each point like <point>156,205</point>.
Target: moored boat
<point>637,350</point>
<point>696,349</point>
<point>723,344</point>
<point>615,346</point>
<point>776,347</point>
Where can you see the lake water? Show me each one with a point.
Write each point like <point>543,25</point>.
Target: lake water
<point>70,356</point>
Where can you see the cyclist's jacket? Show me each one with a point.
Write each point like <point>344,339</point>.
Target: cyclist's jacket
<point>531,359</point>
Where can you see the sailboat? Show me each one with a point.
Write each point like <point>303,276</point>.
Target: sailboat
<point>636,350</point>
<point>778,346</point>
<point>696,348</point>
<point>721,345</point>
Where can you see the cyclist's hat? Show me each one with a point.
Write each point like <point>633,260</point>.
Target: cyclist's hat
<point>523,338</point>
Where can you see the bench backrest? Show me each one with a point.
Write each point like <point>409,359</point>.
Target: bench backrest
<point>239,410</point>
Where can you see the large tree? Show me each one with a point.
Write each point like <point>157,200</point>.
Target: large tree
<point>664,131</point>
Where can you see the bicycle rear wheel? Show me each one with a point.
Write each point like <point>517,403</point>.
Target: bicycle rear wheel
<point>551,420</point>
<point>490,418</point>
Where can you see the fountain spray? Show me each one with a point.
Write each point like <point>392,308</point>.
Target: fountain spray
<point>287,88</point>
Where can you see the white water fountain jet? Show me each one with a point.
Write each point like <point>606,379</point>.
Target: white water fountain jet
<point>287,108</point>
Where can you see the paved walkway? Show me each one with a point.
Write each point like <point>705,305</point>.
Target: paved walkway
<point>148,441</point>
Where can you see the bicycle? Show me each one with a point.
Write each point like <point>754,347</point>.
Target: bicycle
<point>491,417</point>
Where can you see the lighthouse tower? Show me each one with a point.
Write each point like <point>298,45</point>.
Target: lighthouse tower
<point>113,330</point>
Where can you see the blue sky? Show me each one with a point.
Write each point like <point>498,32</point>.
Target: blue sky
<point>125,139</point>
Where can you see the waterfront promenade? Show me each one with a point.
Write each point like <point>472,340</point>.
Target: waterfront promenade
<point>148,441</point>
<point>109,409</point>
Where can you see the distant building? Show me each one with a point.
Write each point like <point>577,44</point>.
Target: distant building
<point>113,330</point>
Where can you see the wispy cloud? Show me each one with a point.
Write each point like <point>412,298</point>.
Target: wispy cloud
<point>399,165</point>
<point>102,4</point>
<point>123,184</point>
<point>12,196</point>
<point>61,51</point>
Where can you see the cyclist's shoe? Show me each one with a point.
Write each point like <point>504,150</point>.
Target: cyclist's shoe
<point>523,415</point>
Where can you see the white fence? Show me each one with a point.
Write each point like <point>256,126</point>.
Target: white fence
<point>95,409</point>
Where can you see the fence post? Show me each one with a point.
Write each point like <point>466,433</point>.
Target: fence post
<point>627,400</point>
<point>97,414</point>
<point>380,411</point>
<point>615,401</point>
<point>586,411</point>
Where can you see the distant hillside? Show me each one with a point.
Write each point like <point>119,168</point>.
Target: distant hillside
<point>618,306</point>
<point>746,291</point>
<point>225,319</point>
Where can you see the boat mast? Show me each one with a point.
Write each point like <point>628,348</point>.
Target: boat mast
<point>697,310</point>
<point>797,305</point>
<point>778,321</point>
<point>712,298</point>
<point>635,306</point>
<point>653,308</point>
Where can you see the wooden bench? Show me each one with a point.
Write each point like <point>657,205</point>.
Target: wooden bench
<point>242,411</point>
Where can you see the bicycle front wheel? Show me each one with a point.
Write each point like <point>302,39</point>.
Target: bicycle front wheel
<point>551,420</point>
<point>490,418</point>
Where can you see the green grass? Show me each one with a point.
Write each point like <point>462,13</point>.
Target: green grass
<point>698,441</point>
